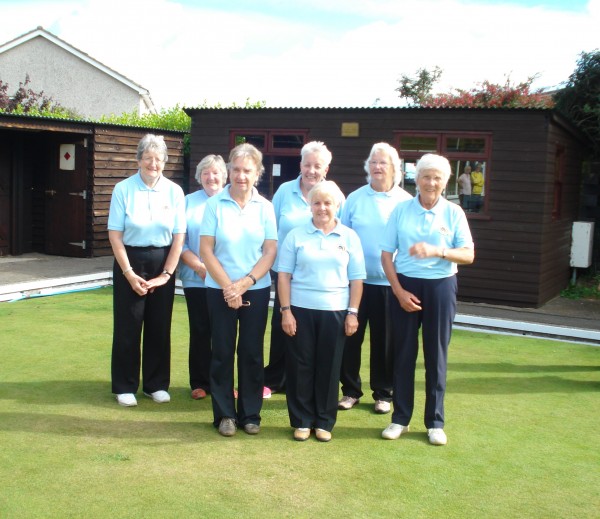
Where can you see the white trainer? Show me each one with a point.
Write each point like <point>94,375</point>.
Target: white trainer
<point>160,397</point>
<point>382,407</point>
<point>437,436</point>
<point>393,431</point>
<point>126,400</point>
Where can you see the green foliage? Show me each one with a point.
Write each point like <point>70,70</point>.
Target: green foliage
<point>579,100</point>
<point>586,288</point>
<point>173,118</point>
<point>26,101</point>
<point>493,95</point>
<point>417,90</point>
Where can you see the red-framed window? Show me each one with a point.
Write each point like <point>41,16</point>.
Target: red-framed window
<point>469,153</point>
<point>271,142</point>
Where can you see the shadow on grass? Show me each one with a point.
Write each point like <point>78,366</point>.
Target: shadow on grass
<point>138,428</point>
<point>97,393</point>
<point>506,367</point>
<point>521,385</point>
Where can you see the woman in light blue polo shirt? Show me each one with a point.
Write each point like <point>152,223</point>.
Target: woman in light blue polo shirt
<point>291,210</point>
<point>424,241</point>
<point>367,211</point>
<point>321,268</point>
<point>211,174</point>
<point>146,229</point>
<point>238,243</point>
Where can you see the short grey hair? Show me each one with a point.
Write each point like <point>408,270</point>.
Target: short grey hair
<point>317,147</point>
<point>207,162</point>
<point>392,153</point>
<point>328,188</point>
<point>152,142</point>
<point>431,161</point>
<point>247,150</point>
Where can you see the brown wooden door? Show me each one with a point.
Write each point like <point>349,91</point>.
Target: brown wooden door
<point>5,202</point>
<point>65,199</point>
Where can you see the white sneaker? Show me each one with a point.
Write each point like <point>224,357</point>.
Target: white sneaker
<point>160,397</point>
<point>382,407</point>
<point>127,400</point>
<point>393,431</point>
<point>437,436</point>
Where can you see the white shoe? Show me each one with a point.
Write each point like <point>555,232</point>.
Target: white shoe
<point>160,397</point>
<point>393,431</point>
<point>382,407</point>
<point>127,400</point>
<point>437,436</point>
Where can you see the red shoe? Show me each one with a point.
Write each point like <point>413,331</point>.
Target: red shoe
<point>198,394</point>
<point>266,392</point>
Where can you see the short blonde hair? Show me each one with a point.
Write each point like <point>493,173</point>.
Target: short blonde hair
<point>207,162</point>
<point>246,150</point>
<point>327,188</point>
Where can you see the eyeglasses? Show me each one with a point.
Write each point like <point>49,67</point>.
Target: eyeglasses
<point>150,160</point>
<point>374,164</point>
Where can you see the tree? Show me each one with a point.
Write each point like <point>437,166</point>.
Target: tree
<point>26,101</point>
<point>579,100</point>
<point>492,95</point>
<point>418,90</point>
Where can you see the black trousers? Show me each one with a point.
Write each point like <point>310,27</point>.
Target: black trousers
<point>438,303</point>
<point>314,357</point>
<point>225,322</point>
<point>275,370</point>
<point>133,313</point>
<point>200,338</point>
<point>374,309</point>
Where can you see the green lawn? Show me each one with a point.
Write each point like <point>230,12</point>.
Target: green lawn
<point>521,425</point>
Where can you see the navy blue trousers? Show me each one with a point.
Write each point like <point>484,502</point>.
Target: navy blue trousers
<point>313,361</point>
<point>225,322</point>
<point>438,303</point>
<point>374,309</point>
<point>200,338</point>
<point>275,370</point>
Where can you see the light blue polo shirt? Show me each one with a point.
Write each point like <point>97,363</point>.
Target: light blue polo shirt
<point>147,217</point>
<point>239,234</point>
<point>367,212</point>
<point>292,210</point>
<point>322,266</point>
<point>194,211</point>
<point>443,226</point>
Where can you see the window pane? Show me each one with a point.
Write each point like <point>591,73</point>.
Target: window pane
<point>418,144</point>
<point>254,139</point>
<point>288,141</point>
<point>408,180</point>
<point>469,188</point>
<point>465,144</point>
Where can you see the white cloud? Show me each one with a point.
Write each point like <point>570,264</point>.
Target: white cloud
<point>187,55</point>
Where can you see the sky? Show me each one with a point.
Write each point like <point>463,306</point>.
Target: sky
<point>315,53</point>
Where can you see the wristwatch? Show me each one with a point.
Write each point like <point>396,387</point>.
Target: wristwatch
<point>284,308</point>
<point>167,272</point>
